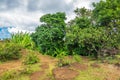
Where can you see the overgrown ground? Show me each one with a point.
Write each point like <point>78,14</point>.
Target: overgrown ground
<point>47,69</point>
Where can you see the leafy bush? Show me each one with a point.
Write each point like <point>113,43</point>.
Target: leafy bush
<point>31,58</point>
<point>23,39</point>
<point>83,41</point>
<point>9,51</point>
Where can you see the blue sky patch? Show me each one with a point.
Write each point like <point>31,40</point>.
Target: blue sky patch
<point>4,33</point>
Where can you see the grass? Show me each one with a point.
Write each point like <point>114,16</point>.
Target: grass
<point>91,74</point>
<point>50,72</point>
<point>29,69</point>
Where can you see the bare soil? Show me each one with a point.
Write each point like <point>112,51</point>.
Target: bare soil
<point>11,65</point>
<point>78,66</point>
<point>64,73</point>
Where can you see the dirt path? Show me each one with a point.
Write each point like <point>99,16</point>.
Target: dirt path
<point>11,65</point>
<point>47,64</point>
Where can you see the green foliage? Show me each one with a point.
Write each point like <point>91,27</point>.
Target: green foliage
<point>49,35</point>
<point>9,51</point>
<point>83,18</point>
<point>31,58</point>
<point>110,20</point>
<point>77,58</point>
<point>84,41</point>
<point>107,13</point>
<point>23,39</point>
<point>54,20</point>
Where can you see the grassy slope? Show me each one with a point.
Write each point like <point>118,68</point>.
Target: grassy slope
<point>15,70</point>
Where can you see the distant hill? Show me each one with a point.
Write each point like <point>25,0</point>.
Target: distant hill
<point>4,33</point>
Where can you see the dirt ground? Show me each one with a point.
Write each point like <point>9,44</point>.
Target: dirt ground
<point>15,65</point>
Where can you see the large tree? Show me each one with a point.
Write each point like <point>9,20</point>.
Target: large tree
<point>49,36</point>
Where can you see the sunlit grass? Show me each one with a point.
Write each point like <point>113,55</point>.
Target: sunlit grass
<point>91,74</point>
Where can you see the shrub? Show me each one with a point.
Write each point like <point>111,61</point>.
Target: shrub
<point>9,51</point>
<point>88,41</point>
<point>31,58</point>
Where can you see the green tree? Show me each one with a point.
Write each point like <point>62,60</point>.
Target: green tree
<point>107,13</point>
<point>83,18</point>
<point>50,35</point>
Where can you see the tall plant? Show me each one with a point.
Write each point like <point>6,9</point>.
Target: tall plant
<point>23,39</point>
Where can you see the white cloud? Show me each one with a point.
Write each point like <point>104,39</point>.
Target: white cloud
<point>84,3</point>
<point>20,21</point>
<point>24,15</point>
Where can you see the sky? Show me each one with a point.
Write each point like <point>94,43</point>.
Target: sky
<point>24,15</point>
<point>4,33</point>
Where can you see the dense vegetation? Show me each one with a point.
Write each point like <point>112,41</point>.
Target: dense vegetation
<point>90,33</point>
<point>93,33</point>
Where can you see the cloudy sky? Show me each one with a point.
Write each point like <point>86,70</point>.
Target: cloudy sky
<point>23,15</point>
